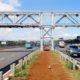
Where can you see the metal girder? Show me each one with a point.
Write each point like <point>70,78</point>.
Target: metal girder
<point>34,19</point>
<point>74,19</point>
<point>6,16</point>
<point>18,25</point>
<point>47,32</point>
<point>17,19</point>
<point>20,19</point>
<point>70,20</point>
<point>60,19</point>
<point>21,16</point>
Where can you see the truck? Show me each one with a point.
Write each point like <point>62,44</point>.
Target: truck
<point>28,45</point>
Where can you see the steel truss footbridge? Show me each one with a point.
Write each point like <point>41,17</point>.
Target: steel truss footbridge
<point>45,21</point>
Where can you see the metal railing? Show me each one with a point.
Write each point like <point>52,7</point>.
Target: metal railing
<point>9,70</point>
<point>75,62</point>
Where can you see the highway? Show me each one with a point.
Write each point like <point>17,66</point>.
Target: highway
<point>64,51</point>
<point>8,56</point>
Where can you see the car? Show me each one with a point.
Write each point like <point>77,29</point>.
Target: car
<point>73,50</point>
<point>46,48</point>
<point>61,44</point>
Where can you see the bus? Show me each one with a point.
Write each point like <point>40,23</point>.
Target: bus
<point>28,45</point>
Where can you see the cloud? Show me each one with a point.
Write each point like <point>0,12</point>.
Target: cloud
<point>58,28</point>
<point>23,34</point>
<point>66,35</point>
<point>9,5</point>
<point>36,29</point>
<point>8,30</point>
<point>5,7</point>
<point>5,30</point>
<point>14,3</point>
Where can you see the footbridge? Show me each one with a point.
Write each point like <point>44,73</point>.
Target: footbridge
<point>45,21</point>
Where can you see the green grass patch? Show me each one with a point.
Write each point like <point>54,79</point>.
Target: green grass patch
<point>68,64</point>
<point>75,74</point>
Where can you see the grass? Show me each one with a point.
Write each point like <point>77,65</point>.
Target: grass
<point>67,64</point>
<point>22,72</point>
<point>74,74</point>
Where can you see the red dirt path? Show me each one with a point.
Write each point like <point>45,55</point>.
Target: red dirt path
<point>48,67</point>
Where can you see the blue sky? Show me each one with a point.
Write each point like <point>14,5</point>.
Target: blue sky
<point>38,5</point>
<point>50,5</point>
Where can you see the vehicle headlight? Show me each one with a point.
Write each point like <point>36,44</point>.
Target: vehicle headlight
<point>71,51</point>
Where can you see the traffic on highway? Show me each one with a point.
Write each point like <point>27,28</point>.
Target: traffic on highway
<point>8,56</point>
<point>12,53</point>
<point>72,48</point>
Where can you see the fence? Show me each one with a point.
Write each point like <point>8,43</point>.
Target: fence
<point>72,60</point>
<point>10,69</point>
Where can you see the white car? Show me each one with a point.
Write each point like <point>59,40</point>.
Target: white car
<point>61,44</point>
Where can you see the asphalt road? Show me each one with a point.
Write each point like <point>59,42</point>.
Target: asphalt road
<point>8,56</point>
<point>64,51</point>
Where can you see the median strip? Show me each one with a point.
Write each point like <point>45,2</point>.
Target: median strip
<point>48,67</point>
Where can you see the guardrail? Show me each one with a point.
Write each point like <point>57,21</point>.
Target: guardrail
<point>72,60</point>
<point>9,70</point>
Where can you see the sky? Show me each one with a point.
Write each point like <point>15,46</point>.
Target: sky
<point>38,5</point>
<point>51,5</point>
